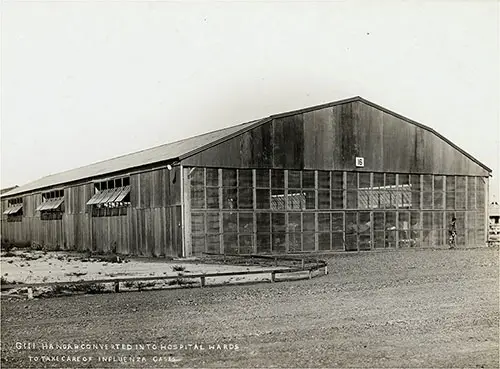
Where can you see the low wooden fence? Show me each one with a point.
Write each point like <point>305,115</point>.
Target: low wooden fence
<point>320,264</point>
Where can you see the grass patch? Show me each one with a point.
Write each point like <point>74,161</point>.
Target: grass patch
<point>179,281</point>
<point>178,268</point>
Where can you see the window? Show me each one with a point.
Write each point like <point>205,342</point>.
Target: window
<point>111,197</point>
<point>14,210</point>
<point>52,206</point>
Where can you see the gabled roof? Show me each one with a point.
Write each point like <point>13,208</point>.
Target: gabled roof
<point>179,150</point>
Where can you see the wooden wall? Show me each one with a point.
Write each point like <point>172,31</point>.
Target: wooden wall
<point>332,138</point>
<point>151,227</point>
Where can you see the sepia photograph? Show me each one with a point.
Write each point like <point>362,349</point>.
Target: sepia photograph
<point>250,184</point>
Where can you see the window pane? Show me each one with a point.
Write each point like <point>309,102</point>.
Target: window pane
<point>213,243</point>
<point>338,180</point>
<point>352,199</point>
<point>246,222</point>
<point>460,200</point>
<point>337,222</point>
<point>450,200</point>
<point>296,200</point>
<point>229,221</point>
<point>403,180</point>
<point>337,199</point>
<point>308,222</point>
<point>262,178</point>
<point>427,201</point>
<point>277,179</point>
<point>378,179</point>
<point>352,180</point>
<point>278,199</point>
<point>364,199</point>
<point>337,241</point>
<point>196,177</point>
<point>364,180</point>
<point>197,197</point>
<point>294,222</point>
<point>263,222</point>
<point>324,241</point>
<point>450,183</point>
<point>323,222</point>
<point>323,180</point>
<point>278,222</point>
<point>198,244</point>
<point>263,198</point>
<point>378,221</point>
<point>460,183</point>
<point>364,222</point>
<point>308,180</point>
<point>293,179</point>
<point>323,199</point>
<point>229,198</point>
<point>198,223</point>
<point>212,177</point>
<point>390,179</point>
<point>310,199</point>
<point>264,243</point>
<point>246,198</point>
<point>415,182</point>
<point>229,177</point>
<point>308,241</point>
<point>245,178</point>
<point>351,222</point>
<point>213,223</point>
<point>279,242</point>
<point>212,198</point>
<point>246,244</point>
<point>230,243</point>
<point>438,183</point>
<point>438,200</point>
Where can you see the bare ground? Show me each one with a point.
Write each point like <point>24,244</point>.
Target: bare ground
<point>414,308</point>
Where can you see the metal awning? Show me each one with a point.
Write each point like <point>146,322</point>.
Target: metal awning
<point>55,204</point>
<point>51,204</point>
<point>13,209</point>
<point>109,195</point>
<point>96,199</point>
<point>124,192</point>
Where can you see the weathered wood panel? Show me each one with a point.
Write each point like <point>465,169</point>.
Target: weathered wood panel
<point>288,142</point>
<point>110,234</point>
<point>319,131</point>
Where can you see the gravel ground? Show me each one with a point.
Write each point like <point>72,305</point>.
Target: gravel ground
<point>414,308</point>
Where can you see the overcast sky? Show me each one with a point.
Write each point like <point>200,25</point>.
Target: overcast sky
<point>84,81</point>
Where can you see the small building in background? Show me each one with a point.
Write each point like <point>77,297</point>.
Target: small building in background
<point>7,189</point>
<point>494,226</point>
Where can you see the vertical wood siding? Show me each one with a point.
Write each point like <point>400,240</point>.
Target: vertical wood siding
<point>332,138</point>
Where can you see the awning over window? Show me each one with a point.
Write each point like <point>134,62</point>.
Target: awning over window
<point>13,209</point>
<point>110,195</point>
<point>124,192</point>
<point>51,204</point>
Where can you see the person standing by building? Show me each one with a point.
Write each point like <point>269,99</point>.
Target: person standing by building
<point>452,232</point>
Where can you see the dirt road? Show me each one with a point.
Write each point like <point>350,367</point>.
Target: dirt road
<point>419,308</point>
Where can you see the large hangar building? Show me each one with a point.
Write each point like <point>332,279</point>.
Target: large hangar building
<point>344,176</point>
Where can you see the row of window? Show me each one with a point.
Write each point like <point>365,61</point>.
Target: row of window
<point>111,197</point>
<point>279,242</point>
<point>233,232</point>
<point>349,222</point>
<point>326,180</point>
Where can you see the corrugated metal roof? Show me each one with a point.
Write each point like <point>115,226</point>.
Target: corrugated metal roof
<point>190,146</point>
<point>157,154</point>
